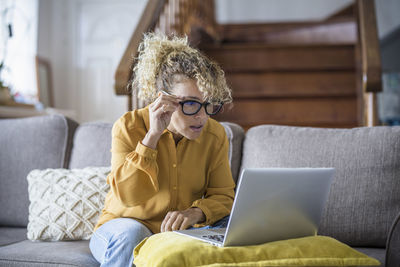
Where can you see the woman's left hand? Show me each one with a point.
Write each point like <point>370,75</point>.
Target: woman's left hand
<point>181,220</point>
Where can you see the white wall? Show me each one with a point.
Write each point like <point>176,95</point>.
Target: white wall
<point>20,75</point>
<point>84,41</point>
<point>56,43</point>
<point>388,17</point>
<point>242,11</point>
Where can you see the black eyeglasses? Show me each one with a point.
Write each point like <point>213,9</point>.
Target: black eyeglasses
<point>192,107</point>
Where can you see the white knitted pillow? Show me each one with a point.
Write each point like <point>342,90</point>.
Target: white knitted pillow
<point>65,204</point>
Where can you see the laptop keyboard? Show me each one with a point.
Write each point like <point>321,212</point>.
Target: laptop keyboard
<point>219,238</point>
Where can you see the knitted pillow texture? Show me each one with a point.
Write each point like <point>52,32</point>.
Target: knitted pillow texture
<point>65,204</point>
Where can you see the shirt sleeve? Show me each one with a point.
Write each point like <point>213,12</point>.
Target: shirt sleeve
<point>219,195</point>
<point>134,170</point>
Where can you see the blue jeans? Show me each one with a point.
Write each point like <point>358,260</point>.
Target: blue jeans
<point>218,224</point>
<point>112,243</point>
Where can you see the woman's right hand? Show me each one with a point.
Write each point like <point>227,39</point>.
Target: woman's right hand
<point>160,113</point>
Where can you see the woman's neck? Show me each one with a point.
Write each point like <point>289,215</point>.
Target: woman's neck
<point>177,136</point>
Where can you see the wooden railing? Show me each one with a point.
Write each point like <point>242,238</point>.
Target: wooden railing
<point>369,78</point>
<point>194,18</point>
<point>186,17</point>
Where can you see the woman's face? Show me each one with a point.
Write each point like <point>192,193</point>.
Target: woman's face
<point>184,125</point>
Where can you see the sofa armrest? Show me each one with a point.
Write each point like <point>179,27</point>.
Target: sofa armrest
<point>393,244</point>
<point>235,134</point>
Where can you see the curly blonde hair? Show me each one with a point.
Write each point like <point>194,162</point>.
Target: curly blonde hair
<point>163,61</point>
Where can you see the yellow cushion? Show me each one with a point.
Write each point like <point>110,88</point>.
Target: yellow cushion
<point>171,249</point>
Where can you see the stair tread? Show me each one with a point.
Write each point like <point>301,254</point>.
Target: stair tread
<point>288,24</point>
<point>332,31</point>
<point>255,45</point>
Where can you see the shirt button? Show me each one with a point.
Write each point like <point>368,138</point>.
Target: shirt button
<point>154,155</point>
<point>174,187</point>
<point>174,165</point>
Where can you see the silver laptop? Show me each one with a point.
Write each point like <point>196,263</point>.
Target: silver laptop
<point>272,204</point>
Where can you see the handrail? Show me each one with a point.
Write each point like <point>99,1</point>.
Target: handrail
<point>368,63</point>
<point>146,22</point>
<point>179,17</point>
<point>369,46</point>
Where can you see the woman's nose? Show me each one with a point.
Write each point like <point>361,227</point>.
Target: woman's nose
<point>201,114</point>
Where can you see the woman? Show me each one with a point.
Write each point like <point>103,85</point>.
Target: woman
<point>169,165</point>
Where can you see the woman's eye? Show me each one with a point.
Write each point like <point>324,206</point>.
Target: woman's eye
<point>191,103</point>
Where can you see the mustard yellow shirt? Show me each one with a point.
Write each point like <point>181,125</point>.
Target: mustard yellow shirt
<point>147,183</point>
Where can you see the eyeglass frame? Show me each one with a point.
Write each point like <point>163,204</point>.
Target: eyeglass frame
<point>204,104</point>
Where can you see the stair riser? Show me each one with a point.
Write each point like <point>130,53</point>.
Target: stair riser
<point>323,112</point>
<point>292,84</point>
<point>256,59</point>
<point>307,33</point>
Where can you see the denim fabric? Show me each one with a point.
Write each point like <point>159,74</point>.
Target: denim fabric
<point>112,243</point>
<point>223,223</point>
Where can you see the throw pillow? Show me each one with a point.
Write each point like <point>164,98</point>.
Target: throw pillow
<point>65,204</point>
<point>171,249</point>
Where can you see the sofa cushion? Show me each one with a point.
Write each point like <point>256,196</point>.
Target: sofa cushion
<point>60,254</point>
<point>9,235</point>
<point>376,253</point>
<point>27,144</point>
<point>172,249</point>
<point>91,146</point>
<point>365,194</point>
<point>66,204</point>
<point>235,135</point>
<point>393,243</point>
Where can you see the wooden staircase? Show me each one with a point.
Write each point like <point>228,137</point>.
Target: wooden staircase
<point>291,74</point>
<point>321,74</point>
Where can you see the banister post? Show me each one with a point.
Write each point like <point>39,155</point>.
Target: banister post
<point>368,62</point>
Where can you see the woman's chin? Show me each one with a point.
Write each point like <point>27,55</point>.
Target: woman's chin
<point>192,134</point>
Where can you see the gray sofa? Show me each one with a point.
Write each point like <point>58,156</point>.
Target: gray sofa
<point>362,209</point>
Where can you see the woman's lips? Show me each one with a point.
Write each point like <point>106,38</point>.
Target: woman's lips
<point>197,128</point>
